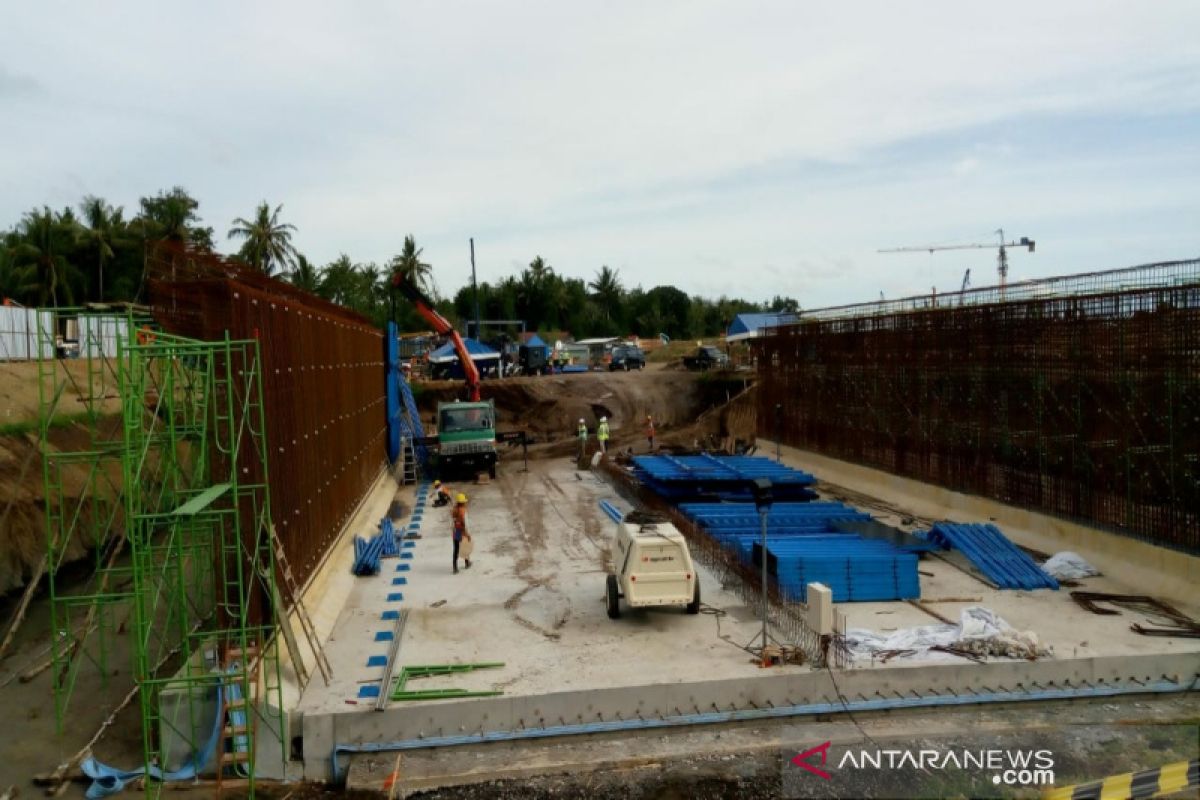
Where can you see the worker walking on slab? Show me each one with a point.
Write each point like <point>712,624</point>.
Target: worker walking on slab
<point>582,433</point>
<point>650,431</point>
<point>462,536</point>
<point>602,434</point>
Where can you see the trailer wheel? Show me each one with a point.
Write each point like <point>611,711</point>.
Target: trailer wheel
<point>694,606</point>
<point>612,594</point>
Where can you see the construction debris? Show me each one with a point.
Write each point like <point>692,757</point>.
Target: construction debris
<point>979,633</point>
<point>1179,624</point>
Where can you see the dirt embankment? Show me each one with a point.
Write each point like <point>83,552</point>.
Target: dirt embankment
<point>22,493</point>
<point>687,407</point>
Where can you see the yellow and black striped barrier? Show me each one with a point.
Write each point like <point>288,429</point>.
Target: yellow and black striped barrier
<point>1167,779</point>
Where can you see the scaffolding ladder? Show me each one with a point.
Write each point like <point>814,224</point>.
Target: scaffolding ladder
<point>408,455</point>
<point>306,623</point>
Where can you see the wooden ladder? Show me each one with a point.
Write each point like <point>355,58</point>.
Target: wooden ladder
<point>306,624</point>
<point>229,757</point>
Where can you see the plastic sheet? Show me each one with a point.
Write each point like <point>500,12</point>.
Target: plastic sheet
<point>979,631</point>
<point>1068,566</point>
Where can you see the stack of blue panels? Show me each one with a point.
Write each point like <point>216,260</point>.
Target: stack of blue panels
<point>803,546</point>
<point>725,477</point>
<point>855,569</point>
<point>1007,565</point>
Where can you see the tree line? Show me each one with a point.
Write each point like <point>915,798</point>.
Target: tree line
<point>95,253</point>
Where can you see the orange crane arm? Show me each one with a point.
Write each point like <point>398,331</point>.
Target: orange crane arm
<point>441,325</point>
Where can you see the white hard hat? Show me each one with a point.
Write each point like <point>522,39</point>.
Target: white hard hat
<point>581,420</point>
<point>604,419</point>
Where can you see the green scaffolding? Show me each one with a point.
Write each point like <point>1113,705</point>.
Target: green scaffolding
<point>183,552</point>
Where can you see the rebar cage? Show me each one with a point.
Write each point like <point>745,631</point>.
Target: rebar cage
<point>1083,405</point>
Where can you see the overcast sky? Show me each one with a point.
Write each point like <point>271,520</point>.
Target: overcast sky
<point>740,148</point>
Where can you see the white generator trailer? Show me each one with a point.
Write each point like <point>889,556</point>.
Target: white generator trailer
<point>654,567</point>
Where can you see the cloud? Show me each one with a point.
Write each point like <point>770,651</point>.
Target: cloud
<point>691,143</point>
<point>16,84</point>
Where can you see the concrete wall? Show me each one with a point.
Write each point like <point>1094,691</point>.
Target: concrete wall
<point>1145,568</point>
<point>408,722</point>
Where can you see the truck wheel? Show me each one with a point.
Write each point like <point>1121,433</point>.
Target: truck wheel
<point>694,606</point>
<point>492,472</point>
<point>612,594</point>
<point>627,366</point>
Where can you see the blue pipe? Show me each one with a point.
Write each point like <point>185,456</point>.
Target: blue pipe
<point>711,717</point>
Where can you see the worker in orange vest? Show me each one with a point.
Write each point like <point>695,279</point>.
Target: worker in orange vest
<point>442,496</point>
<point>461,533</point>
<point>650,431</point>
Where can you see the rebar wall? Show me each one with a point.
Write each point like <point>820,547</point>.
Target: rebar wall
<point>323,387</point>
<point>1083,406</point>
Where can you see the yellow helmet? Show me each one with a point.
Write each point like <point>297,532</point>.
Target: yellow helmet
<point>461,499</point>
<point>437,484</point>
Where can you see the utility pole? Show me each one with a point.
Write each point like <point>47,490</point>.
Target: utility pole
<point>475,287</point>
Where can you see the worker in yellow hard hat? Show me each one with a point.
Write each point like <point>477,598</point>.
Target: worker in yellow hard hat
<point>462,536</point>
<point>442,494</point>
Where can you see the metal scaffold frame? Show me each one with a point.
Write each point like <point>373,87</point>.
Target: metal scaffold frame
<point>78,390</point>
<point>198,584</point>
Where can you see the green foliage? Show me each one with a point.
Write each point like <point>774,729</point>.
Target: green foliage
<point>266,242</point>
<point>53,257</point>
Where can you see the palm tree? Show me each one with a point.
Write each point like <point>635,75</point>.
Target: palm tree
<point>539,270</point>
<point>608,289</point>
<point>304,275</point>
<point>268,242</point>
<point>39,257</point>
<point>172,216</point>
<point>103,223</point>
<point>338,280</point>
<point>409,266</point>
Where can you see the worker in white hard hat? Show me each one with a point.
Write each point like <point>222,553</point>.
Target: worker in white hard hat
<point>461,533</point>
<point>582,433</point>
<point>602,434</point>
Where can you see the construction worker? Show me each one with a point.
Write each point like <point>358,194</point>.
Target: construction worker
<point>582,432</point>
<point>442,495</point>
<point>602,434</point>
<point>650,431</point>
<point>461,532</point>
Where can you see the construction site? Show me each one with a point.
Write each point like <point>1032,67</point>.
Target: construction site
<point>227,568</point>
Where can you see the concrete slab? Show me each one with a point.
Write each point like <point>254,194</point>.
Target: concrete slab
<point>533,599</point>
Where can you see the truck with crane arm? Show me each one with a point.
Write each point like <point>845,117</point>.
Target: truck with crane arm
<point>466,430</point>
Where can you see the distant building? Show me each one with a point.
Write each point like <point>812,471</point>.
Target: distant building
<point>751,326</point>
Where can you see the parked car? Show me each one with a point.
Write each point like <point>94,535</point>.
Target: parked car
<point>627,357</point>
<point>707,357</point>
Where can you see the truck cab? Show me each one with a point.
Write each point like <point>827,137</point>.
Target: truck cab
<point>466,438</point>
<point>654,566</point>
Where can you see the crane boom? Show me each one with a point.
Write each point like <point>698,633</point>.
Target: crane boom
<point>442,326</point>
<point>1002,246</point>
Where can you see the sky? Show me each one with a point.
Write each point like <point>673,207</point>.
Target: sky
<point>747,149</point>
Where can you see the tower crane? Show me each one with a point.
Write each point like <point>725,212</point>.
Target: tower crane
<point>1001,259</point>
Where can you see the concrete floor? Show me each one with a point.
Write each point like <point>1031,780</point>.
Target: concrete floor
<point>533,598</point>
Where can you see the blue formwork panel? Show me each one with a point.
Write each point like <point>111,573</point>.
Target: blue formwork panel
<point>1005,564</point>
<point>678,477</point>
<point>855,570</point>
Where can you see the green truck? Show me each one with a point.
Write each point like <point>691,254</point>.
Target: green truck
<point>466,438</point>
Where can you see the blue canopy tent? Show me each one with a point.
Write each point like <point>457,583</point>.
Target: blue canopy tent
<point>443,362</point>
